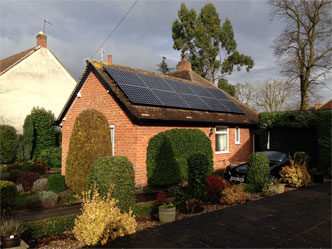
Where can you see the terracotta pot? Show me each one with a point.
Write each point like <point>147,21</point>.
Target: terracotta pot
<point>167,215</point>
<point>8,242</point>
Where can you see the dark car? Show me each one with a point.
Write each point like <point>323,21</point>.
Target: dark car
<point>238,173</point>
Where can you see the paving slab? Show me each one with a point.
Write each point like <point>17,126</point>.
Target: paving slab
<point>297,219</point>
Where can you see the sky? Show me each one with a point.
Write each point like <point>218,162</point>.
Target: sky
<point>80,27</point>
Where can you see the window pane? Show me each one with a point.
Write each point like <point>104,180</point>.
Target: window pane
<point>237,135</point>
<point>221,142</point>
<point>223,129</point>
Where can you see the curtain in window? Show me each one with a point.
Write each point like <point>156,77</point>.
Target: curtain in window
<point>221,142</point>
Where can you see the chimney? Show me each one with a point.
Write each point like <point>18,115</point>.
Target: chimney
<point>109,58</point>
<point>184,65</point>
<point>41,40</point>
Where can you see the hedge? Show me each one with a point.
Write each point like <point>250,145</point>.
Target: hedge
<point>56,183</point>
<point>49,227</point>
<point>258,170</point>
<point>90,140</point>
<point>320,120</point>
<point>8,193</point>
<point>7,143</point>
<point>116,170</point>
<point>52,156</point>
<point>168,152</point>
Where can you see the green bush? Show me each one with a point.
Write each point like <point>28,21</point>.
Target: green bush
<point>116,170</point>
<point>300,157</point>
<point>8,193</point>
<point>13,174</point>
<point>258,170</point>
<point>144,209</point>
<point>180,196</point>
<point>198,165</point>
<point>90,140</point>
<point>56,183</point>
<point>52,156</point>
<point>43,122</point>
<point>49,227</point>
<point>168,152</point>
<point>7,143</point>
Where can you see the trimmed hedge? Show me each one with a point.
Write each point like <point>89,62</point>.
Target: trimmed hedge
<point>116,170</point>
<point>8,193</point>
<point>7,143</point>
<point>52,156</point>
<point>258,170</point>
<point>198,165</point>
<point>90,140</point>
<point>321,120</point>
<point>168,152</point>
<point>49,227</point>
<point>56,183</point>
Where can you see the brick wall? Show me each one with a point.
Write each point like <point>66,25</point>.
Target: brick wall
<point>132,140</point>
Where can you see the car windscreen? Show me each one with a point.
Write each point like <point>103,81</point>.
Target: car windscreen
<point>275,156</point>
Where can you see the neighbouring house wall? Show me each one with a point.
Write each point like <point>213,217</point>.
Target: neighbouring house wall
<point>132,140</point>
<point>39,80</point>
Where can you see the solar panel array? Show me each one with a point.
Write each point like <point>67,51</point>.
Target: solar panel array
<point>150,90</point>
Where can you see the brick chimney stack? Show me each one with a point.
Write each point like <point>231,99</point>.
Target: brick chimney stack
<point>109,58</point>
<point>41,40</point>
<point>184,65</point>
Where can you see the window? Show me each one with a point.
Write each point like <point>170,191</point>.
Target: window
<point>112,138</point>
<point>237,135</point>
<point>222,139</point>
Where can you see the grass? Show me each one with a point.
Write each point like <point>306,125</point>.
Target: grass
<point>20,200</point>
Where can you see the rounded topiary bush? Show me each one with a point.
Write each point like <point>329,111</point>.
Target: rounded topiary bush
<point>198,165</point>
<point>116,170</point>
<point>7,143</point>
<point>8,193</point>
<point>90,140</point>
<point>168,152</point>
<point>56,183</point>
<point>258,170</point>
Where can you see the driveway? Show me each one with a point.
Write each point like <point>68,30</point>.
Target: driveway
<point>296,219</point>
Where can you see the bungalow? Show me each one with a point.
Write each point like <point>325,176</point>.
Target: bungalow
<point>34,77</point>
<point>138,105</point>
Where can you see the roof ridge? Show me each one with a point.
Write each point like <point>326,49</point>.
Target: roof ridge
<point>10,61</point>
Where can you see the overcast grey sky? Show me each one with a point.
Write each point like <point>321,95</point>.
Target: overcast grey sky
<point>79,27</point>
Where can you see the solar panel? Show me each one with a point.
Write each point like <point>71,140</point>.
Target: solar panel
<point>200,91</point>
<point>215,105</point>
<point>217,93</point>
<point>124,77</point>
<point>140,95</point>
<point>195,102</point>
<point>155,83</point>
<point>180,87</point>
<point>156,91</point>
<point>171,99</point>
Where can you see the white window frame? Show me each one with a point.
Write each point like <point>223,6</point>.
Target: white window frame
<point>237,141</point>
<point>221,133</point>
<point>112,129</point>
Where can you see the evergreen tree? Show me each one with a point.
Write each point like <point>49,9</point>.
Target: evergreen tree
<point>226,87</point>
<point>163,67</point>
<point>204,41</point>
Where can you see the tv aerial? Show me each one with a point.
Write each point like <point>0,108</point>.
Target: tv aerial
<point>46,21</point>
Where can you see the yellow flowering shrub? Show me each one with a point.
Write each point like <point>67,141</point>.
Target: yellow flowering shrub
<point>101,219</point>
<point>233,194</point>
<point>296,175</point>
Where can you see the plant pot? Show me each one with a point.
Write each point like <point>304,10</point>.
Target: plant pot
<point>8,242</point>
<point>277,188</point>
<point>167,215</point>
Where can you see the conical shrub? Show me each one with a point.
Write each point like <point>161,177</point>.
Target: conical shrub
<point>90,140</point>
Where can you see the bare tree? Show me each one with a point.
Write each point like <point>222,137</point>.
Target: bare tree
<point>304,47</point>
<point>245,93</point>
<point>271,96</point>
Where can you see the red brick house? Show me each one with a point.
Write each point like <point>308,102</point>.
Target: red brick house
<point>132,123</point>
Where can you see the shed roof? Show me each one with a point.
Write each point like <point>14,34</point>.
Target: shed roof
<point>327,105</point>
<point>148,115</point>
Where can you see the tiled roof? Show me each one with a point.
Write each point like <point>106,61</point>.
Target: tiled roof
<point>9,62</point>
<point>327,105</point>
<point>144,114</point>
